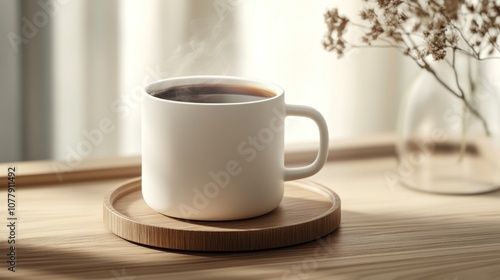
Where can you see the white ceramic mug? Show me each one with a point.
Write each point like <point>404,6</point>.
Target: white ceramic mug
<point>222,160</point>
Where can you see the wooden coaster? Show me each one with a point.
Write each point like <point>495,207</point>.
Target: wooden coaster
<point>308,211</point>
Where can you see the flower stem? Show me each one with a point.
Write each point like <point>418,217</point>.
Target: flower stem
<point>464,135</point>
<point>460,96</point>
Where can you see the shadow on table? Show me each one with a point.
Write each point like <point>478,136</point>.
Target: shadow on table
<point>356,244</point>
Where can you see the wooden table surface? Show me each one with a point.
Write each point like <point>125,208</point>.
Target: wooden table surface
<point>386,233</point>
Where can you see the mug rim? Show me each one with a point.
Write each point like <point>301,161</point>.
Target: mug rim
<point>163,84</point>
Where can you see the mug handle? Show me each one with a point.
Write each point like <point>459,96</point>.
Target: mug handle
<point>311,169</point>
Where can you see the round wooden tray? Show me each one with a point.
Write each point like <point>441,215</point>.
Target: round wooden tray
<point>308,211</point>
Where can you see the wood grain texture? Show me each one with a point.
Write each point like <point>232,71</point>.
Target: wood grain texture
<point>308,211</point>
<point>387,232</point>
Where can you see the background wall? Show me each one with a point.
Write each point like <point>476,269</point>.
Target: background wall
<point>87,62</point>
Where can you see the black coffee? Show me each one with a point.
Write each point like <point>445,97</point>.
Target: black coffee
<point>216,93</point>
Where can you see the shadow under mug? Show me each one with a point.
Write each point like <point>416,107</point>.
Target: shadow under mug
<point>220,158</point>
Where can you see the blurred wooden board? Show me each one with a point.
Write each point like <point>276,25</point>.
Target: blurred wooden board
<point>308,211</point>
<point>38,173</point>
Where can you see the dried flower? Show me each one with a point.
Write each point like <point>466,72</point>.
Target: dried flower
<point>423,29</point>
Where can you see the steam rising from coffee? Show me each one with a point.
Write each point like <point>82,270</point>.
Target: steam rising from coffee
<point>210,45</point>
<point>209,48</point>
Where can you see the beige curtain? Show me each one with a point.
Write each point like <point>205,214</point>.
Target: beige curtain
<point>11,145</point>
<point>80,75</point>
